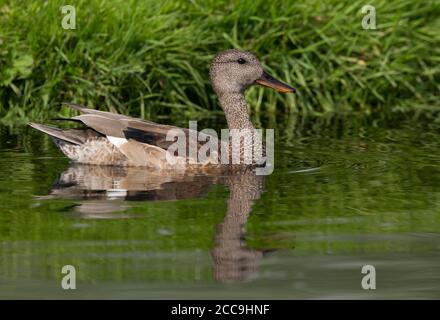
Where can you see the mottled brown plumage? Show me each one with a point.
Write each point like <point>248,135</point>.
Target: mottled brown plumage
<point>114,139</point>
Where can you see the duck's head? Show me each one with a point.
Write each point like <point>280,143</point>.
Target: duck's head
<point>233,71</point>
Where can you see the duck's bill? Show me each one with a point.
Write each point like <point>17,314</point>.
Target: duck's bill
<point>268,81</point>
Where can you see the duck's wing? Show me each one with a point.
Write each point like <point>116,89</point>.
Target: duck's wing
<point>73,136</point>
<point>93,146</point>
<point>111,115</point>
<point>116,126</point>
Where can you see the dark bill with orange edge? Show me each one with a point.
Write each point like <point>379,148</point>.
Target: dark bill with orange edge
<point>268,81</point>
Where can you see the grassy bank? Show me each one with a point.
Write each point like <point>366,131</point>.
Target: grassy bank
<point>150,58</point>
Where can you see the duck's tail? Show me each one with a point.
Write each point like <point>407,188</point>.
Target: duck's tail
<point>71,135</point>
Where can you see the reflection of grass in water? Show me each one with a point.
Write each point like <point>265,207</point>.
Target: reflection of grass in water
<point>373,183</point>
<point>151,244</point>
<point>148,57</point>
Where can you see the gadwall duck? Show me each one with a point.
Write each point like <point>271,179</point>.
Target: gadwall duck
<point>118,140</point>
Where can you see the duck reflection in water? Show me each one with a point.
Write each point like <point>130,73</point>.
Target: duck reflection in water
<point>94,186</point>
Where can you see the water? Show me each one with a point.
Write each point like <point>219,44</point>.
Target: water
<point>345,193</point>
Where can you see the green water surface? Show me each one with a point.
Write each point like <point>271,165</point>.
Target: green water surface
<point>345,193</point>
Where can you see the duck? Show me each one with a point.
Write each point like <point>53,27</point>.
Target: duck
<point>113,139</point>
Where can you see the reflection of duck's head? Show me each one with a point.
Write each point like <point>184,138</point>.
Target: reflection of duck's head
<point>235,263</point>
<point>102,191</point>
<point>233,71</point>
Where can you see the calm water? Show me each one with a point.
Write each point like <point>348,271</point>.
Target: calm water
<point>344,193</point>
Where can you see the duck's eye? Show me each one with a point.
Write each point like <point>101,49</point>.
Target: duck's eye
<point>241,61</point>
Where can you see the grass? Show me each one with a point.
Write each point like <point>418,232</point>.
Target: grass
<point>151,58</point>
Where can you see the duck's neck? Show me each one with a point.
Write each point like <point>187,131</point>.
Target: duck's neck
<point>235,107</point>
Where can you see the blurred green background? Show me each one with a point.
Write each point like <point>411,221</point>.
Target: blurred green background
<point>151,58</point>
<point>356,182</point>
